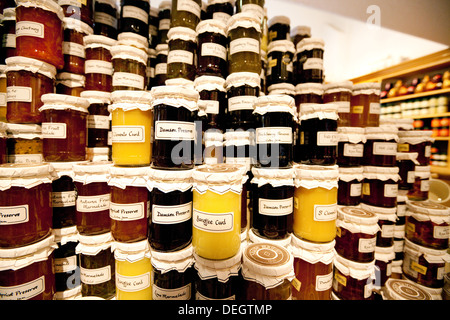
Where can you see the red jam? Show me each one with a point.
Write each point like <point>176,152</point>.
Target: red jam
<point>386,221</point>
<point>380,186</point>
<point>349,186</point>
<point>380,148</point>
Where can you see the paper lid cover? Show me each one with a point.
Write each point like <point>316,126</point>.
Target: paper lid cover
<point>399,289</point>
<point>268,259</point>
<point>278,19</point>
<point>212,25</point>
<point>244,20</point>
<point>17,63</point>
<point>238,79</point>
<point>357,215</point>
<point>428,207</point>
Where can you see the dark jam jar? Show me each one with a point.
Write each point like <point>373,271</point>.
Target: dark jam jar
<point>212,100</point>
<point>279,65</point>
<point>349,186</point>
<point>174,109</point>
<point>9,34</point>
<point>380,148</point>
<point>242,90</point>
<point>308,93</point>
<point>380,186</point>
<point>98,118</point>
<point>186,13</point>
<point>279,28</point>
<point>339,93</point>
<point>134,16</point>
<point>162,50</point>
<point>220,10</point>
<point>170,227</point>
<point>71,84</point>
<point>66,261</point>
<point>350,146</point>
<point>273,202</point>
<point>181,56</point>
<point>406,162</point>
<point>416,141</point>
<point>164,16</point>
<point>308,66</point>
<point>386,221</point>
<point>421,187</point>
<point>79,9</point>
<point>274,121</point>
<point>73,45</point>
<point>105,18</point>
<point>318,136</point>
<point>129,65</point>
<point>98,66</point>
<point>298,33</point>
<point>212,48</point>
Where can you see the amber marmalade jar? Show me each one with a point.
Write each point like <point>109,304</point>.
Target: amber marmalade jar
<point>105,18</point>
<point>185,13</point>
<point>181,56</point>
<point>365,105</point>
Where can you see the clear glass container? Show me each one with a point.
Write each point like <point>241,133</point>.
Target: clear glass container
<point>105,18</point>
<point>380,186</point>
<point>308,66</point>
<point>181,61</point>
<point>24,143</point>
<point>129,64</point>
<point>73,45</point>
<point>380,148</point>
<point>134,16</point>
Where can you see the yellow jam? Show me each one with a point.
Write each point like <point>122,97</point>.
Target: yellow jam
<point>133,279</point>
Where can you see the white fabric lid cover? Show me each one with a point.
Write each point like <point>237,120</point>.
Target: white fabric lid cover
<point>24,175</point>
<point>274,103</point>
<point>357,215</point>
<point>209,83</point>
<point>220,269</point>
<point>278,19</point>
<point>89,172</point>
<point>383,213</point>
<point>131,251</point>
<point>182,33</point>
<point>281,45</point>
<point>56,101</point>
<point>121,177</point>
<point>268,259</point>
<point>318,110</point>
<point>309,88</point>
<point>273,176</point>
<point>175,96</point>
<point>94,96</point>
<point>310,44</point>
<point>212,25</point>
<point>313,252</point>
<point>17,63</point>
<point>122,51</point>
<point>95,39</point>
<point>92,245</point>
<point>313,176</point>
<point>178,260</point>
<point>49,5</point>
<point>238,79</point>
<point>400,289</point>
<point>130,100</point>
<point>244,20</point>
<point>357,270</point>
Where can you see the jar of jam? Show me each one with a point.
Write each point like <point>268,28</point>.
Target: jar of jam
<point>93,197</point>
<point>97,266</point>
<point>425,266</point>
<point>64,127</point>
<point>383,266</point>
<point>279,28</point>
<point>3,145</point>
<point>98,118</point>
<point>24,143</point>
<point>315,202</point>
<point>240,148</point>
<point>212,100</point>
<point>71,84</point>
<point>318,136</point>
<point>182,50</point>
<point>416,141</point>
<point>308,93</point>
<point>244,35</point>
<point>386,221</point>
<point>78,9</point>
<point>221,10</point>
<point>27,80</point>
<point>339,93</point>
<point>313,267</point>
<point>421,186</point>
<point>98,66</point>
<point>73,45</point>
<point>267,270</point>
<point>3,91</point>
<point>351,142</point>
<point>186,13</point>
<point>105,18</point>
<point>25,204</point>
<point>66,264</point>
<point>9,34</point>
<point>401,289</point>
<point>164,16</point>
<point>396,269</point>
<point>298,33</point>
<point>162,50</point>
<point>129,64</point>
<point>134,17</point>
<point>174,109</point>
<point>365,105</point>
<point>279,62</point>
<point>243,88</point>
<point>173,275</point>
<point>406,163</point>
<point>274,121</point>
<point>401,207</point>
<point>150,70</point>
<point>130,203</point>
<point>133,270</point>
<point>380,148</point>
<point>282,88</point>
<point>353,280</point>
<point>308,64</point>
<point>39,31</point>
<point>213,146</point>
<point>27,272</point>
<point>427,224</point>
<point>380,186</point>
<point>350,186</point>
<point>399,243</point>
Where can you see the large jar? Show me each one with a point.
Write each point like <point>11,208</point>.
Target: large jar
<point>64,129</point>
<point>134,17</point>
<point>380,186</point>
<point>25,204</point>
<point>181,61</point>
<point>221,10</point>
<point>279,62</point>
<point>212,100</point>
<point>350,186</point>
<point>73,45</point>
<point>351,142</point>
<point>98,124</point>
<point>365,105</point>
<point>98,67</point>
<point>24,143</point>
<point>308,62</point>
<point>26,81</point>
<point>380,148</point>
<point>416,141</point>
<point>339,93</point>
<point>105,18</point>
<point>129,64</point>
<point>185,13</point>
<point>39,31</point>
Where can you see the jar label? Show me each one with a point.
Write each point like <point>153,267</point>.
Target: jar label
<point>97,122</point>
<point>425,185</point>
<point>357,109</point>
<point>222,16</point>
<point>241,103</point>
<point>127,211</point>
<point>51,130</point>
<point>391,190</point>
<point>399,245</point>
<point>367,245</point>
<point>387,231</point>
<point>441,232</point>
<point>25,158</point>
<point>210,106</point>
<point>353,150</point>
<point>403,147</point>
<point>164,24</point>
<point>282,135</point>
<point>98,66</point>
<point>183,293</point>
<point>171,214</point>
<point>272,207</point>
<point>3,99</point>
<point>180,56</point>
<point>214,49</point>
<point>427,151</point>
<point>190,6</point>
<point>73,49</point>
<point>355,189</point>
<point>366,189</point>
<point>325,212</point>
<point>19,94</point>
<point>340,278</point>
<point>161,68</point>
<point>65,264</point>
<point>343,106</point>
<point>313,63</point>
<point>132,283</point>
<point>127,79</point>
<point>29,28</point>
<point>95,276</point>
<point>374,108</point>
<point>213,222</point>
<point>324,282</point>
<point>14,214</point>
<point>128,134</point>
<point>385,148</point>
<point>9,40</point>
<point>244,45</point>
<point>174,130</point>
<point>64,199</point>
<point>411,177</point>
<point>104,18</point>
<point>327,138</point>
<point>23,291</point>
<point>93,203</point>
<point>401,210</point>
<point>133,12</point>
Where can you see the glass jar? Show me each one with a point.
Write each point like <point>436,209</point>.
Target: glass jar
<point>308,64</point>
<point>182,50</point>
<point>27,80</point>
<point>244,36</point>
<point>78,9</point>
<point>242,88</point>
<point>9,33</point>
<point>64,129</point>
<point>24,143</point>
<point>279,62</point>
<point>383,266</point>
<point>173,275</point>
<point>380,186</point>
<point>3,99</point>
<point>27,272</point>
<point>427,224</point>
<point>130,203</point>
<point>406,163</point>
<point>131,127</point>
<point>421,186</point>
<point>98,65</point>
<point>279,28</point>
<point>315,202</point>
<point>217,210</point>
<point>3,145</point>
<point>150,70</point>
<point>129,64</point>
<point>339,93</point>
<point>73,45</point>
<point>318,136</point>
<point>416,141</point>
<point>254,6</point>
<point>212,100</point>
<point>267,270</point>
<point>365,105</point>
<point>93,197</point>
<point>133,270</point>
<point>25,204</point>
<point>185,13</point>
<point>174,109</point>
<point>240,148</point>
<point>298,33</point>
<point>308,93</point>
<point>98,118</point>
<point>350,186</point>
<point>134,17</point>
<point>386,221</point>
<point>400,289</point>
<point>39,31</point>
<point>274,121</point>
<point>380,148</point>
<point>97,266</point>
<point>105,18</point>
<point>221,10</point>
<point>162,50</point>
<point>351,142</point>
<point>71,84</point>
<point>164,16</point>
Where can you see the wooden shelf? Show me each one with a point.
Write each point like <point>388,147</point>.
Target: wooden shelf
<point>430,115</point>
<point>441,171</point>
<point>416,95</point>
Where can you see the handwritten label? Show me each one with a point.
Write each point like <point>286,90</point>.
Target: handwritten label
<point>213,222</point>
<point>214,49</point>
<point>93,203</point>
<point>132,283</point>
<point>244,45</point>
<point>271,207</point>
<point>274,135</point>
<point>183,293</point>
<point>174,130</point>
<point>241,103</point>
<point>171,214</point>
<point>19,94</point>
<point>128,134</point>
<point>51,130</point>
<point>29,28</point>
<point>14,214</point>
<point>127,211</point>
<point>325,212</point>
<point>95,276</point>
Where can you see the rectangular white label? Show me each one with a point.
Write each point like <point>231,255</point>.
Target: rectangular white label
<point>51,130</point>
<point>25,158</point>
<point>23,291</point>
<point>374,108</point>
<point>274,135</point>
<point>164,24</point>
<point>132,283</point>
<point>327,138</point>
<point>128,134</point>
<point>424,185</point>
<point>180,56</point>
<point>9,40</point>
<point>391,190</point>
<point>313,63</point>
<point>127,211</point>
<point>3,99</point>
<point>385,148</point>
<point>127,79</point>
<point>73,49</point>
<point>355,189</point>
<point>241,103</point>
<point>65,264</point>
<point>19,94</point>
<point>367,245</point>
<point>14,214</point>
<point>93,203</point>
<point>387,230</point>
<point>29,28</point>
<point>98,66</point>
<point>213,222</point>
<point>95,276</point>
<point>210,106</point>
<point>189,5</point>
<point>343,106</point>
<point>244,45</point>
<point>64,199</point>
<point>135,13</point>
<point>171,214</point>
<point>104,18</point>
<point>214,49</point>
<point>97,122</point>
<point>353,150</point>
<point>271,207</point>
<point>441,232</point>
<point>325,212</point>
<point>183,293</point>
<point>174,130</point>
<point>411,176</point>
<point>161,68</point>
<point>324,282</point>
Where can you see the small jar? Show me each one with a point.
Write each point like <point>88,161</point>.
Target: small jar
<point>173,275</point>
<point>351,142</point>
<point>73,45</point>
<point>427,224</point>
<point>318,136</point>
<point>93,197</point>
<point>308,93</point>
<point>365,105</point>
<point>25,204</point>
<point>171,212</point>
<point>97,266</point>
<point>9,33</point>
<point>212,100</point>
<point>313,267</point>
<point>416,141</point>
<point>380,148</point>
<point>279,28</point>
<point>105,18</point>
<point>131,127</point>
<point>27,80</point>
<point>182,50</point>
<point>185,13</point>
<point>162,50</point>
<point>380,186</point>
<point>71,84</point>
<point>315,202</point>
<point>350,186</point>
<point>339,93</point>
<point>64,129</point>
<point>274,121</point>
<point>80,10</point>
<point>386,221</point>
<point>220,10</point>
<point>244,36</point>
<point>308,65</point>
<point>279,62</point>
<point>24,143</point>
<point>164,16</point>
<point>133,270</point>
<point>130,203</point>
<point>174,109</point>
<point>298,33</point>
<point>98,65</point>
<point>129,64</point>
<point>400,289</point>
<point>98,118</point>
<point>406,163</point>
<point>39,31</point>
<point>421,185</point>
<point>267,270</point>
<point>134,17</point>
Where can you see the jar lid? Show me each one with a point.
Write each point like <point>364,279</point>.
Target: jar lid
<point>210,2</point>
<point>356,270</point>
<point>318,110</point>
<point>399,289</point>
<point>64,168</point>
<point>381,173</point>
<point>96,97</point>
<point>275,103</point>
<point>244,20</point>
<point>348,174</point>
<point>182,33</point>
<point>77,25</point>
<point>430,255</point>
<point>178,260</point>
<point>19,63</point>
<point>133,39</point>
<point>283,88</point>
<point>220,269</point>
<point>313,252</point>
<point>165,5</point>
<point>48,5</point>
<point>401,124</point>
<point>213,26</point>
<point>351,134</point>
<point>383,213</point>
<point>238,137</point>
<point>89,172</point>
<point>415,136</point>
<point>18,170</point>
<point>92,245</point>
<point>239,79</point>
<point>357,215</point>
<point>122,51</point>
<point>281,45</point>
<point>9,14</point>
<point>310,44</point>
<point>22,251</point>
<point>309,88</point>
<point>71,80</point>
<point>94,40</point>
<point>427,207</point>
<point>319,247</point>
<point>301,30</point>
<point>218,173</point>
<point>278,19</point>
<point>131,251</point>
<point>170,180</point>
<point>182,82</point>
<point>56,101</point>
<point>384,254</point>
<point>268,259</point>
<point>162,48</point>
<point>338,86</point>
<point>383,129</point>
<point>209,83</point>
<point>175,96</point>
<point>117,171</point>
<point>274,177</point>
<point>367,86</point>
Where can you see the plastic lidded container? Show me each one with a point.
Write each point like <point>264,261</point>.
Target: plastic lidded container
<point>24,143</point>
<point>386,221</point>
<point>339,93</point>
<point>73,45</point>
<point>134,17</point>
<point>416,141</point>
<point>186,13</point>
<point>380,148</point>
<point>98,124</point>
<point>406,162</point>
<point>399,289</point>
<point>25,204</point>
<point>26,81</point>
<point>181,61</point>
<point>105,18</point>
<point>421,186</point>
<point>129,64</point>
<point>308,66</point>
<point>298,33</point>
<point>279,64</point>
<point>279,28</point>
<point>220,9</point>
<point>350,186</point>
<point>351,142</point>
<point>310,92</point>
<point>365,105</point>
<point>212,100</point>
<point>380,186</point>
